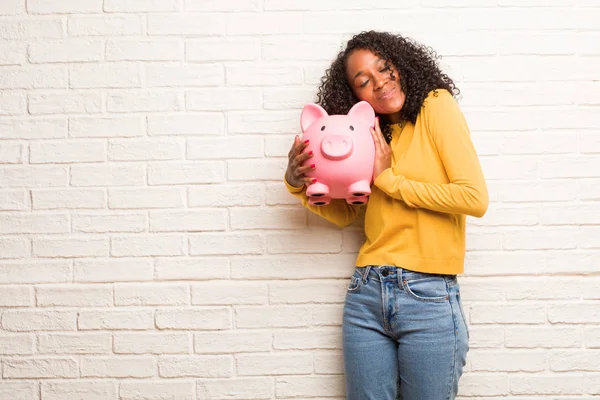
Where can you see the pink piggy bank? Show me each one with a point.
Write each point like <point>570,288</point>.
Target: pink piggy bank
<point>343,152</point>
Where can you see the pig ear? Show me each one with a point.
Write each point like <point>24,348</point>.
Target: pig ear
<point>363,110</point>
<point>310,113</point>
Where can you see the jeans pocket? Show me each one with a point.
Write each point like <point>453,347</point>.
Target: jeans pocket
<point>431,289</point>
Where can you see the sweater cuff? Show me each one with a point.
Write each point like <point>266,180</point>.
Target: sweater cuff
<point>293,189</point>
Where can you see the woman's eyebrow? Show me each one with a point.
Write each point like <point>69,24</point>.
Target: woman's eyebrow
<point>360,72</point>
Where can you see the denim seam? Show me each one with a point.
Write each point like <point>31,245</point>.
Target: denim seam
<point>454,321</point>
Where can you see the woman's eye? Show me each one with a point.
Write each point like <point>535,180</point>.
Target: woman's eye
<point>364,84</point>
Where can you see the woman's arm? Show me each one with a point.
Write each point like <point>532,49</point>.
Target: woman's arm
<point>467,192</point>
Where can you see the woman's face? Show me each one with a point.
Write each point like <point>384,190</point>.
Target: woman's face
<point>377,82</point>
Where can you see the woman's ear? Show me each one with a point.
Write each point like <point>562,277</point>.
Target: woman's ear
<point>311,113</point>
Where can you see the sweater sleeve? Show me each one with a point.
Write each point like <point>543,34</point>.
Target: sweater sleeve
<point>337,211</point>
<point>466,192</point>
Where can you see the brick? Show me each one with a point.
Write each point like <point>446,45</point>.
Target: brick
<point>303,243</point>
<point>486,337</point>
<point>509,314</point>
<point>70,247</point>
<point>34,129</point>
<point>329,363</point>
<point>14,247</point>
<point>264,122</point>
<point>544,337</point>
<point>269,218</point>
<point>18,29</point>
<point>588,237</point>
<point>578,313</point>
<point>66,343</point>
<point>235,341</point>
<point>274,316</point>
<point>196,367</point>
<point>314,5</point>
<point>574,360</point>
<point>293,266</point>
<point>510,361</point>
<point>154,245</point>
<point>12,7</point>
<point>20,391</point>
<point>206,318</point>
<point>34,223</point>
<point>74,296</point>
<point>546,289</point>
<point>211,50</point>
<point>545,384</point>
<point>232,5</point>
<point>270,23</point>
<point>226,293</point>
<point>263,75</point>
<point>160,197</point>
<point>13,200</point>
<point>115,320</point>
<point>80,389</point>
<point>145,149</point>
<point>188,75</point>
<point>548,239</point>
<point>151,294</point>
<point>35,272</point>
<point>290,48</point>
<point>64,7</point>
<point>262,170</point>
<point>152,343</point>
<point>113,174</point>
<point>69,50</point>
<point>187,125</point>
<point>12,54</point>
<point>187,24</point>
<point>486,385</point>
<point>223,99</point>
<point>36,368</point>
<point>237,388</point>
<point>591,337</point>
<point>591,289</point>
<point>288,363</point>
<point>191,268</point>
<point>286,99</point>
<point>16,345</point>
<point>112,367</point>
<point>109,270</point>
<point>70,152</point>
<point>109,223</point>
<point>224,243</point>
<point>105,127</point>
<point>310,386</point>
<point>510,216</point>
<point>43,77</point>
<point>311,291</point>
<point>65,103</point>
<point>140,6</point>
<point>188,221</point>
<point>570,167</point>
<point>225,148</point>
<point>143,101</point>
<point>135,390</point>
<point>16,296</point>
<point>225,195</point>
<point>588,143</point>
<point>321,338</point>
<point>111,75</point>
<point>122,25</point>
<point>144,50</point>
<point>31,321</point>
<point>539,191</point>
<point>185,173</point>
<point>12,103</point>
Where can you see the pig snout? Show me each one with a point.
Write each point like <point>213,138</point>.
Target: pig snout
<point>337,147</point>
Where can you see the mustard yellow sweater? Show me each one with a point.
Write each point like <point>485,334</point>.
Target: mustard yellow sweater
<point>416,213</point>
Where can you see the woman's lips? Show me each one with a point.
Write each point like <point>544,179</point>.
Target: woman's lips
<point>387,94</point>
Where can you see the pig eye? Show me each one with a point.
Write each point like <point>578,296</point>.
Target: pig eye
<point>351,128</point>
<point>323,128</point>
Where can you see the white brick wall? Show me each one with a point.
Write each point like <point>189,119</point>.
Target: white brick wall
<point>148,249</point>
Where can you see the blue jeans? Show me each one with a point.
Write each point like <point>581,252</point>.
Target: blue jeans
<point>404,335</point>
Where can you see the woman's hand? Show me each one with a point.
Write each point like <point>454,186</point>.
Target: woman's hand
<point>383,151</point>
<point>294,174</point>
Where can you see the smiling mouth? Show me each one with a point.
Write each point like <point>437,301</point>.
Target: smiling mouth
<point>387,95</point>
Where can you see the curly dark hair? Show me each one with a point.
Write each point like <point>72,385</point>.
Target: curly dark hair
<point>416,64</point>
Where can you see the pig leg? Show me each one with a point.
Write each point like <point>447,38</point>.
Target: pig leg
<point>357,200</point>
<point>317,190</point>
<point>319,201</point>
<point>359,189</point>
